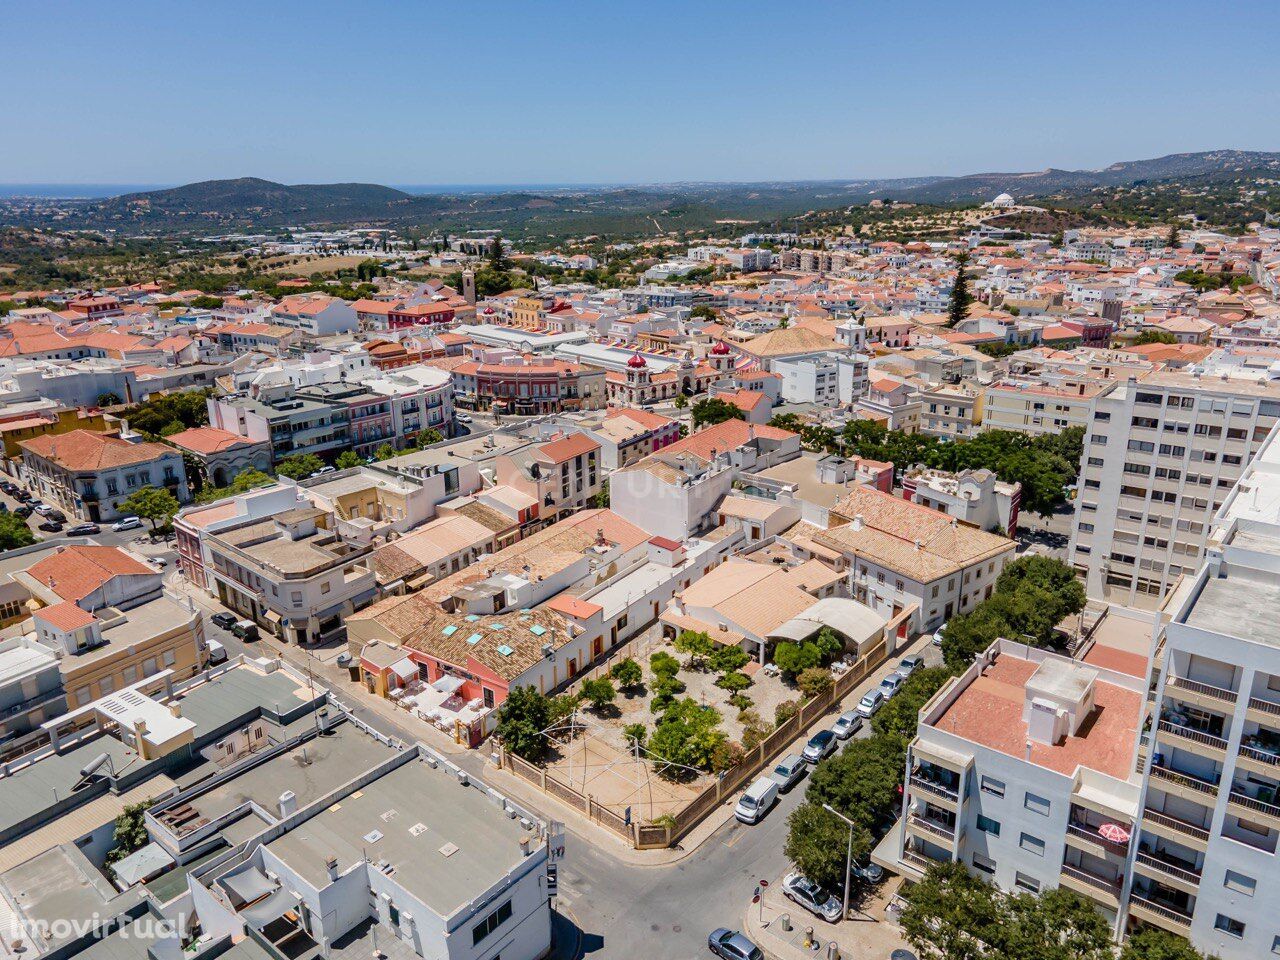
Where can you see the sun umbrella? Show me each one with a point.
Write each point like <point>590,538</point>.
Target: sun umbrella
<point>1113,832</point>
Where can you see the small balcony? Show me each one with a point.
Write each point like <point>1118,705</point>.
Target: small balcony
<point>1263,711</point>
<point>1106,892</point>
<point>1191,738</point>
<point>1254,807</point>
<point>1199,693</point>
<point>1185,785</point>
<point>1167,869</point>
<point>1166,916</point>
<point>934,827</point>
<point>935,790</point>
<point>1085,836</point>
<point>1174,828</point>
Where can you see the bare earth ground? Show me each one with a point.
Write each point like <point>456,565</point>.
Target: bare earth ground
<point>306,266</point>
<point>597,761</point>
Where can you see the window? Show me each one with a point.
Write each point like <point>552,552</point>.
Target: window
<point>992,786</point>
<point>1033,844</point>
<point>1240,883</point>
<point>1037,804</point>
<point>987,825</point>
<point>326,587</point>
<point>490,923</point>
<point>1023,882</point>
<point>170,658</point>
<point>1228,925</point>
<point>987,865</point>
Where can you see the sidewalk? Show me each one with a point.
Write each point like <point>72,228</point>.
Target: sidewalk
<point>866,935</point>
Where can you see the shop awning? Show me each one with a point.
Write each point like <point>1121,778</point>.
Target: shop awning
<point>448,683</point>
<point>405,669</point>
<point>270,909</point>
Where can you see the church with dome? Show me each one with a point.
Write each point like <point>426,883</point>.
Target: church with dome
<point>1002,202</point>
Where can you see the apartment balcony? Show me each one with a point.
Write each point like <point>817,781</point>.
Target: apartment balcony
<point>1263,711</point>
<point>936,830</point>
<point>1167,871</point>
<point>1253,808</point>
<point>1185,785</point>
<point>1200,694</point>
<point>1165,916</point>
<point>1087,839</point>
<point>1259,761</point>
<point>31,703</point>
<point>1196,741</point>
<point>1173,828</point>
<point>921,860</point>
<point>941,794</point>
<point>1104,891</point>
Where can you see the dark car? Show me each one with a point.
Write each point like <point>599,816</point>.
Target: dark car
<point>23,496</point>
<point>57,516</point>
<point>732,945</point>
<point>23,511</point>
<point>225,620</point>
<point>51,526</point>
<point>83,530</point>
<point>821,744</point>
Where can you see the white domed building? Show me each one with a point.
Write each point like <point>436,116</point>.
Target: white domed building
<point>1002,202</point>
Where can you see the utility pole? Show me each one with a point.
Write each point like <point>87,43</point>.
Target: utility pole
<point>848,859</point>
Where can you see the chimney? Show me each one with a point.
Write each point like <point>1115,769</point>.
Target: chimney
<point>288,804</point>
<point>175,708</point>
<point>858,523</point>
<point>331,866</point>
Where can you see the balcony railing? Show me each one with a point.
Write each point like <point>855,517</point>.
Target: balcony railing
<point>1207,689</point>
<point>1260,755</point>
<point>1252,803</point>
<point>1169,869</point>
<point>1093,880</point>
<point>937,789</point>
<point>1195,736</point>
<point>1184,780</point>
<point>1266,706</point>
<point>1172,914</point>
<point>920,860</point>
<point>1173,823</point>
<point>1092,835</point>
<point>934,827</point>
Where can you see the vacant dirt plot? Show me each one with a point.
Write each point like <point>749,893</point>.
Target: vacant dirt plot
<point>592,766</point>
<point>308,266</point>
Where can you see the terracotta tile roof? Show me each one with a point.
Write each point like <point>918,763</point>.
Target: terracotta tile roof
<point>87,450</point>
<point>65,616</point>
<point>75,572</point>
<point>206,440</point>
<point>645,418</point>
<point>566,448</point>
<point>725,436</point>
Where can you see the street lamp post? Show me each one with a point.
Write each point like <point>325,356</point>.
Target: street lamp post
<point>848,858</point>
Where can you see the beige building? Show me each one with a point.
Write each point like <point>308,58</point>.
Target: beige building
<point>950,412</point>
<point>1036,408</point>
<point>1160,457</point>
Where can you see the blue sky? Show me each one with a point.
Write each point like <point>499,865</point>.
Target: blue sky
<point>485,91</point>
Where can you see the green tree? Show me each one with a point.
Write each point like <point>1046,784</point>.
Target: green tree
<point>522,718</point>
<point>861,781</point>
<point>709,411</point>
<point>1150,943</point>
<point>601,499</point>
<point>817,843</point>
<point>243,482</point>
<point>681,401</point>
<point>109,400</point>
<point>14,532</point>
<point>189,409</point>
<point>687,735</point>
<point>627,674</point>
<point>154,504</point>
<point>726,657</point>
<point>497,255</point>
<point>958,306</point>
<point>205,302</point>
<point>814,680</point>
<point>1171,241</point>
<point>385,452</point>
<point>664,664</point>
<point>899,716</point>
<point>665,688</point>
<point>829,644</point>
<point>427,437</point>
<point>130,833</point>
<point>299,466</point>
<point>599,693</point>
<point>734,681</point>
<point>634,734</point>
<point>699,646</point>
<point>348,459</point>
<point>787,421</point>
<point>1153,336</point>
<point>794,658</point>
<point>704,312</point>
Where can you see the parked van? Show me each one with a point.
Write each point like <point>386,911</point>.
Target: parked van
<point>757,800</point>
<point>217,653</point>
<point>245,630</point>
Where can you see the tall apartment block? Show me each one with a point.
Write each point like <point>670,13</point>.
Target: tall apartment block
<point>1039,771</point>
<point>1160,456</point>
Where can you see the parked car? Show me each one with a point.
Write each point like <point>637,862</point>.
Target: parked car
<point>217,652</point>
<point>84,530</point>
<point>322,471</point>
<point>789,771</point>
<point>891,684</point>
<point>57,515</point>
<point>847,724</point>
<point>870,872</point>
<point>909,665</point>
<point>223,619</point>
<point>821,744</point>
<point>245,630</point>
<point>22,511</point>
<point>4,507</point>
<point>160,562</point>
<point>42,508</point>
<point>23,496</point>
<point>872,702</point>
<point>463,418</point>
<point>8,487</point>
<point>732,945</point>
<point>757,800</point>
<point>812,897</point>
<point>127,523</point>
<point>51,526</point>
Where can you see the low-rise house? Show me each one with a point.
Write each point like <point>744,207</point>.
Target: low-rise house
<point>975,497</point>
<point>222,455</point>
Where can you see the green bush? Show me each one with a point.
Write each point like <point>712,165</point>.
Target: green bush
<point>664,664</point>
<point>814,681</point>
<point>734,682</point>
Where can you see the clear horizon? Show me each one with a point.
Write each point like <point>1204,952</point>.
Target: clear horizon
<point>577,94</point>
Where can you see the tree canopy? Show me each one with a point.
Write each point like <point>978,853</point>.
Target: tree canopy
<point>153,415</point>
<point>709,411</point>
<point>958,306</point>
<point>14,532</point>
<point>299,466</point>
<point>156,505</point>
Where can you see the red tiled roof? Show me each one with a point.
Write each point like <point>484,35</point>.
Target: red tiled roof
<point>75,572</point>
<point>88,450</point>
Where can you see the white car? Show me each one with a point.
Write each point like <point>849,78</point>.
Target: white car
<point>127,523</point>
<point>463,418</point>
<point>891,684</point>
<point>812,897</point>
<point>43,509</point>
<point>872,702</point>
<point>847,724</point>
<point>909,665</point>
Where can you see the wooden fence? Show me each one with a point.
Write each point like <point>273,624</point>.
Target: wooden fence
<point>653,835</point>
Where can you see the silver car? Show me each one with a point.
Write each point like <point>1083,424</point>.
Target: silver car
<point>909,665</point>
<point>847,724</point>
<point>812,897</point>
<point>789,771</point>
